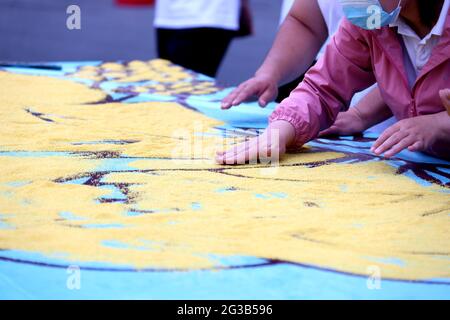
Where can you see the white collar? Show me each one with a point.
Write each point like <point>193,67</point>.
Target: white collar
<point>438,29</point>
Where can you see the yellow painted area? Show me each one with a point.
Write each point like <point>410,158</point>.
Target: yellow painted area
<point>166,79</point>
<point>340,216</point>
<point>75,119</point>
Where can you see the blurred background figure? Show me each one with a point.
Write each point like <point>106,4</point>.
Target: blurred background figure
<point>196,34</point>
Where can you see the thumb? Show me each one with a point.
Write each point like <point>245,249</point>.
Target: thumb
<point>267,96</point>
<point>333,130</point>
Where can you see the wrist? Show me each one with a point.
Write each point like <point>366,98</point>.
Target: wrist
<point>285,131</point>
<point>442,122</point>
<point>364,123</point>
<point>268,73</point>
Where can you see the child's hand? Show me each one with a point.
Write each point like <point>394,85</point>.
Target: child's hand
<point>262,87</point>
<point>347,123</point>
<point>269,145</point>
<point>445,97</point>
<point>416,134</point>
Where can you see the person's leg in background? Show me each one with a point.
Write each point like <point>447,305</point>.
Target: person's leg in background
<point>200,49</point>
<point>285,90</point>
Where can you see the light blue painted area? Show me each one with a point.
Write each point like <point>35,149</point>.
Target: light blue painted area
<point>121,245</point>
<point>134,213</point>
<point>196,206</point>
<point>234,260</point>
<point>226,189</point>
<point>4,225</point>
<point>78,181</point>
<point>150,98</point>
<point>72,66</point>
<point>279,195</point>
<point>343,188</point>
<point>203,77</point>
<point>138,212</point>
<point>70,216</point>
<point>352,144</point>
<point>104,226</point>
<point>412,176</point>
<point>347,138</point>
<point>116,164</point>
<point>17,184</point>
<point>446,170</point>
<point>271,195</point>
<point>33,72</point>
<point>391,260</point>
<point>438,176</point>
<point>339,148</point>
<point>115,244</point>
<point>146,245</point>
<point>371,134</point>
<point>226,128</point>
<point>115,192</point>
<point>284,281</point>
<point>247,115</point>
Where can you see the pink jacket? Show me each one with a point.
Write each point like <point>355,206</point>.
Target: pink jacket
<point>354,60</point>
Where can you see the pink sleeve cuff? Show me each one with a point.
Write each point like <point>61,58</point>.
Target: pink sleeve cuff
<point>302,128</point>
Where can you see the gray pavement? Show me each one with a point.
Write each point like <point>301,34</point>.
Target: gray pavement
<point>35,30</point>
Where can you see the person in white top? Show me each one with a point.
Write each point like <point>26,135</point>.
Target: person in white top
<point>182,14</point>
<point>196,33</point>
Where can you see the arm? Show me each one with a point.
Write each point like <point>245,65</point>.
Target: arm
<point>329,86</point>
<point>300,38</point>
<point>298,41</point>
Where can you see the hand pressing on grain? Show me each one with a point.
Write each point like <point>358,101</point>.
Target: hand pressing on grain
<point>445,97</point>
<point>262,87</point>
<point>369,111</point>
<point>415,134</point>
<point>268,147</point>
<point>347,123</point>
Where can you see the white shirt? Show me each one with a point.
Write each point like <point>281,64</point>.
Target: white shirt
<point>285,8</point>
<point>419,50</point>
<point>331,11</point>
<point>183,14</point>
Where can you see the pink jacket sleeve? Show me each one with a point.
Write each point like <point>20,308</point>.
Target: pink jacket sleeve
<point>329,86</point>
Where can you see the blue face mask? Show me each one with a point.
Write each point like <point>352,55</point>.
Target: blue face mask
<point>369,14</point>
